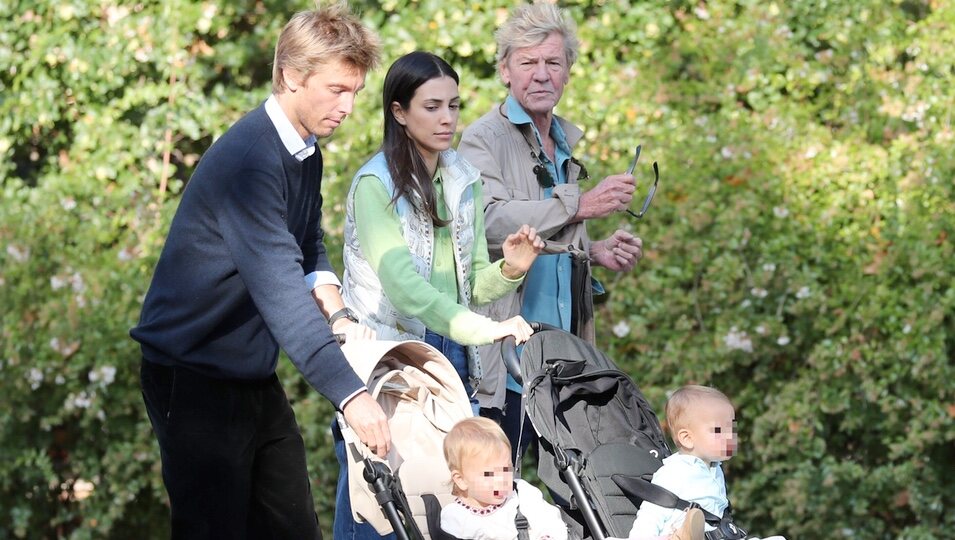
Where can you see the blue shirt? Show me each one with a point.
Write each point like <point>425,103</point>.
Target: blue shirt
<point>689,478</point>
<point>547,295</point>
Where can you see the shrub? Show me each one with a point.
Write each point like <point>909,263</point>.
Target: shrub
<point>798,253</point>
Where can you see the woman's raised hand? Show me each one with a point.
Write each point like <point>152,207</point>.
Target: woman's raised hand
<point>520,251</point>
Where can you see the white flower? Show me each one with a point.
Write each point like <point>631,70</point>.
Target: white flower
<point>811,152</point>
<point>907,328</point>
<point>68,203</point>
<point>761,330</point>
<point>81,401</point>
<point>65,349</point>
<point>803,292</point>
<point>783,341</point>
<point>738,340</point>
<point>726,152</point>
<point>107,374</point>
<point>621,329</point>
<point>114,14</point>
<point>769,267</point>
<point>780,211</point>
<point>125,254</point>
<point>35,377</point>
<point>59,379</point>
<point>77,281</point>
<point>759,292</point>
<point>82,489</point>
<point>56,282</point>
<point>17,253</point>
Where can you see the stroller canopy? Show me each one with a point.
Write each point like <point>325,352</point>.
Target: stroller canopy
<point>423,397</point>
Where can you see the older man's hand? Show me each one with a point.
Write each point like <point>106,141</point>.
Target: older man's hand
<point>613,194</point>
<point>619,253</point>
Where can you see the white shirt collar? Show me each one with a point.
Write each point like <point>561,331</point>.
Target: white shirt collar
<point>293,142</point>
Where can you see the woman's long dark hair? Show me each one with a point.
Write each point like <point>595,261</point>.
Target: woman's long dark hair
<point>408,170</point>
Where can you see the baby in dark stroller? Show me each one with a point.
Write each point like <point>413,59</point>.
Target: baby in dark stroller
<point>488,504</point>
<point>600,445</point>
<point>702,423</point>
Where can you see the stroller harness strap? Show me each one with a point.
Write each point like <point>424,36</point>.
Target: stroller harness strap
<point>522,526</point>
<point>647,491</point>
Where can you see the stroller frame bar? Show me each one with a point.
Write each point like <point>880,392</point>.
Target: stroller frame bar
<point>570,466</point>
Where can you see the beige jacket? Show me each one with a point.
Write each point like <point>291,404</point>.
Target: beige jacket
<point>504,152</point>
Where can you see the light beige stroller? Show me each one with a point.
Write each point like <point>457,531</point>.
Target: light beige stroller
<point>423,398</point>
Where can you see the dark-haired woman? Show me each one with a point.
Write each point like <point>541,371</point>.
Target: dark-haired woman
<point>415,252</point>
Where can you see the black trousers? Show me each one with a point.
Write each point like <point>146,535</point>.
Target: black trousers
<point>233,458</point>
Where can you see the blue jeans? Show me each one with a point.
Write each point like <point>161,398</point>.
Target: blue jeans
<point>457,354</point>
<point>345,527</point>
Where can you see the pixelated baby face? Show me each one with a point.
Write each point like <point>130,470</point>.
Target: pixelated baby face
<point>714,431</point>
<point>489,478</point>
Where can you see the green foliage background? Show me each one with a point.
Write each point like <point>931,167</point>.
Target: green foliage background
<point>799,251</point>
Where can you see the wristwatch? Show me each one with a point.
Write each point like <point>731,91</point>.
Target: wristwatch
<point>343,313</point>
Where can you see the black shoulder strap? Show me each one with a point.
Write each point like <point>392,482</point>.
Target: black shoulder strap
<point>522,526</point>
<point>646,491</point>
<point>642,489</point>
<point>520,521</point>
<point>432,510</point>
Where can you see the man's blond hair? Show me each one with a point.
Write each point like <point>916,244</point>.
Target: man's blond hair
<point>472,438</point>
<point>679,408</point>
<point>530,24</point>
<point>317,37</point>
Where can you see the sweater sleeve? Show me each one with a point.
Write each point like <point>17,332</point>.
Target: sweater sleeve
<point>379,231</point>
<point>250,215</point>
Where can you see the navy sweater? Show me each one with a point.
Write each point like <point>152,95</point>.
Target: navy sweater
<point>229,287</point>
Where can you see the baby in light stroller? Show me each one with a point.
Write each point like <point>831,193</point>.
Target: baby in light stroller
<point>423,397</point>
<point>489,504</point>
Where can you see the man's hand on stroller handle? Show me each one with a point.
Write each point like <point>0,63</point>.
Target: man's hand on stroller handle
<point>369,422</point>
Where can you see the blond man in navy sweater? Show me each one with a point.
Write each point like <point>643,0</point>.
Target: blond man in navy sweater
<point>244,273</point>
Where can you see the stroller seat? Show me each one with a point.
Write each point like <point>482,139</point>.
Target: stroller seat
<point>600,441</point>
<point>592,423</point>
<point>423,397</point>
<point>617,459</point>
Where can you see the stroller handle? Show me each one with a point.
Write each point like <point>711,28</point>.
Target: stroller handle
<point>509,351</point>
